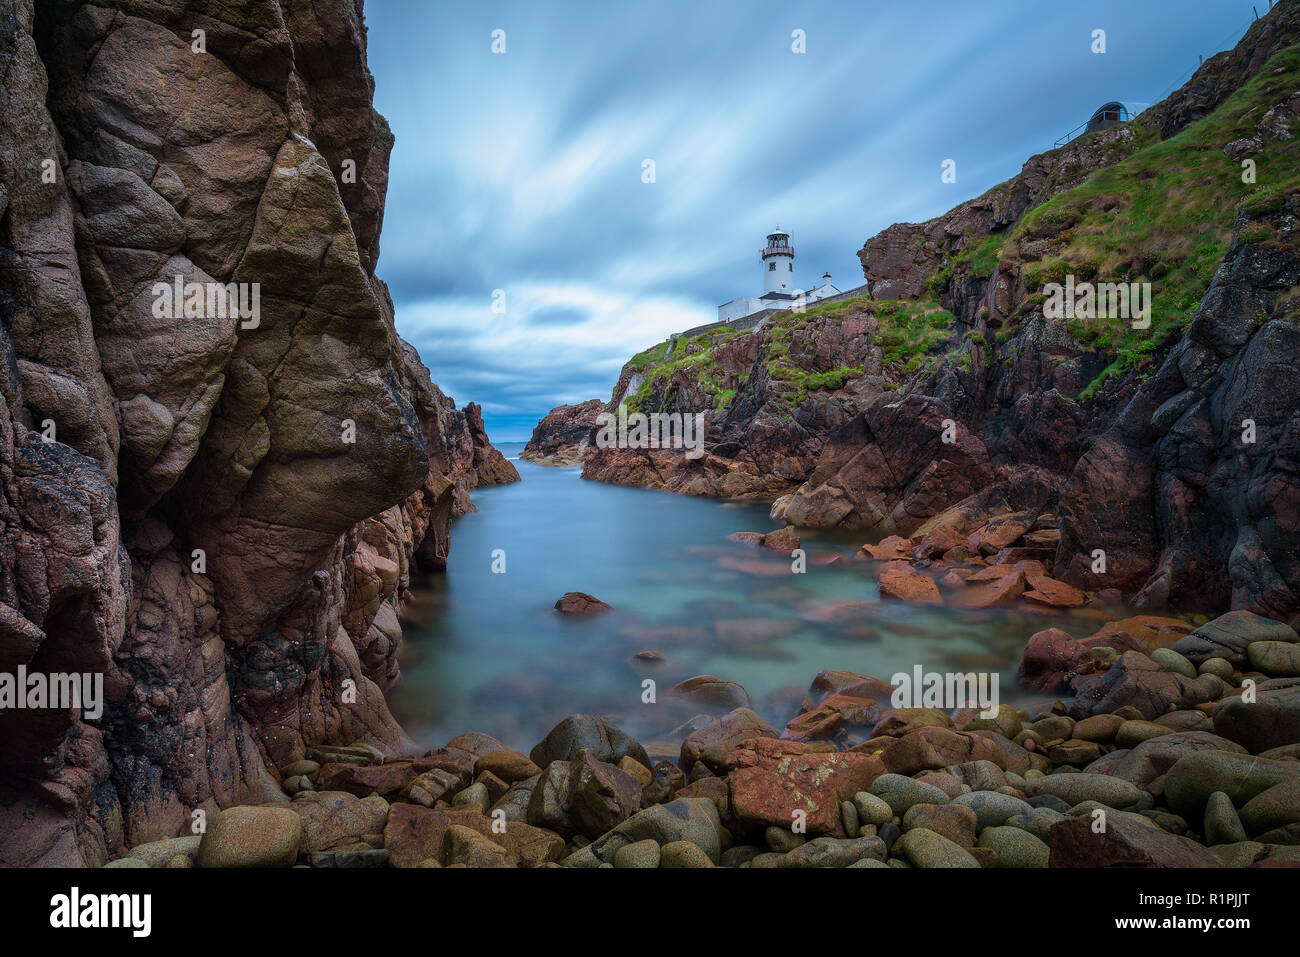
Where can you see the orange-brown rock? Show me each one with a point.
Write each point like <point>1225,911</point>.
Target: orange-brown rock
<point>890,549</point>
<point>908,585</point>
<point>985,593</point>
<point>776,778</point>
<point>1049,591</point>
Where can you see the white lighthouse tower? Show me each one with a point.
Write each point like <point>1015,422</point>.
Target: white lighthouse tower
<point>779,290</point>
<point>778,263</point>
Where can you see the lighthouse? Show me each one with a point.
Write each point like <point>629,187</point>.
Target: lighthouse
<point>779,289</point>
<point>778,263</point>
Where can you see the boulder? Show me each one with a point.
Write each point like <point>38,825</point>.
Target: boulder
<point>1230,635</point>
<point>1194,777</point>
<point>584,732</point>
<point>776,779</point>
<point>580,604</point>
<point>1123,843</point>
<point>926,849</point>
<point>251,837</point>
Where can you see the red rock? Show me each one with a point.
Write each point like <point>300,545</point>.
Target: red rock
<point>836,712</point>
<point>580,603</point>
<point>715,742</point>
<point>363,780</point>
<point>848,683</point>
<point>907,585</point>
<point>1001,532</point>
<point>938,541</point>
<point>1043,537</point>
<point>414,834</point>
<point>746,538</point>
<point>985,594</point>
<point>782,540</point>
<point>932,749</point>
<point>1144,633</point>
<point>889,549</point>
<point>897,722</point>
<point>710,692</point>
<point>779,779</point>
<point>1048,658</point>
<point>1051,592</point>
<point>509,766</point>
<point>1135,680</point>
<point>1123,843</point>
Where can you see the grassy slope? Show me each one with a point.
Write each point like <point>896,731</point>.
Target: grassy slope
<point>1164,215</point>
<point>906,331</point>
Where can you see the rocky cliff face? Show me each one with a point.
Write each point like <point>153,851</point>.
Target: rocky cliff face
<point>217,512</point>
<point>563,434</point>
<point>953,386</point>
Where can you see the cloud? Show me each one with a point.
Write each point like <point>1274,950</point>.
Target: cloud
<point>523,172</point>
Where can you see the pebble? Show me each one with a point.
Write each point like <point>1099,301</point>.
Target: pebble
<point>643,854</point>
<point>683,854</point>
<point>926,849</point>
<point>901,792</point>
<point>1015,847</point>
<point>992,807</point>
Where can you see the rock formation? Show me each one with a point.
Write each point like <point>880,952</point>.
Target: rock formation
<point>1166,449</point>
<point>217,510</point>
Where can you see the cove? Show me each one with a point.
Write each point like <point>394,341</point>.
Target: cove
<point>487,652</point>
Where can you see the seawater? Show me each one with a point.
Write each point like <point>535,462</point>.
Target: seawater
<point>488,652</point>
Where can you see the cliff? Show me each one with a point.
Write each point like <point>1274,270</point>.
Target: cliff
<point>953,385</point>
<point>219,512</point>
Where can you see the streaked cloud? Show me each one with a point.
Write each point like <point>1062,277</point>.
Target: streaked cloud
<point>522,172</point>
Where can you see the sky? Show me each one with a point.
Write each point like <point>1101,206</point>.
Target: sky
<point>527,256</point>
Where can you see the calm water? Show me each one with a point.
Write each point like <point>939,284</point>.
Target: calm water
<point>488,652</point>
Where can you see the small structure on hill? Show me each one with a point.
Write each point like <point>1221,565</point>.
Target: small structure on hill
<point>779,290</point>
<point>1110,113</point>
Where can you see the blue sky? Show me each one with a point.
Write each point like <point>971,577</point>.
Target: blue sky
<point>522,171</point>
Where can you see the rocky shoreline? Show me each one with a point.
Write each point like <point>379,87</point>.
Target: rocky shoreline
<point>1160,760</point>
<point>1173,746</point>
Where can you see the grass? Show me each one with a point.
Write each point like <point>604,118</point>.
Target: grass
<point>907,332</point>
<point>1164,215</point>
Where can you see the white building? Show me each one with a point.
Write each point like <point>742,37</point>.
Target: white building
<point>779,290</point>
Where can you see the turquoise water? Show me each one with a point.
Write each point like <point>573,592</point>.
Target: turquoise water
<point>488,652</point>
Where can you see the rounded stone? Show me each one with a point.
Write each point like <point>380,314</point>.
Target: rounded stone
<point>1281,659</point>
<point>992,807</point>
<point>251,837</point>
<point>1133,733</point>
<point>871,809</point>
<point>643,854</point>
<point>1077,788</point>
<point>1220,667</point>
<point>1170,660</point>
<point>901,792</point>
<point>1222,823</point>
<point>781,840</point>
<point>954,821</point>
<point>1015,847</point>
<point>926,849</point>
<point>683,854</point>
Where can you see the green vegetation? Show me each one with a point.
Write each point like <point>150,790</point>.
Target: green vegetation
<point>907,332</point>
<point>1164,215</point>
